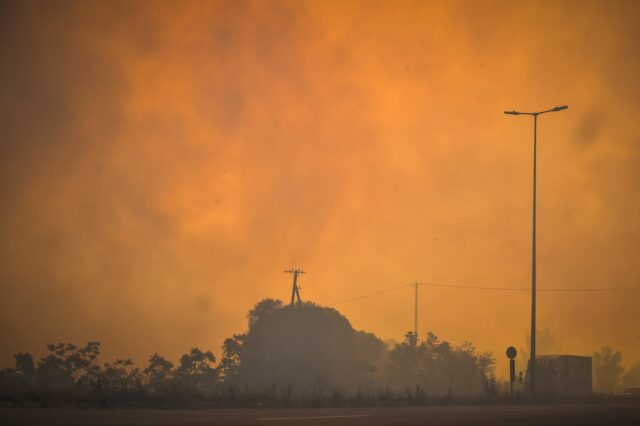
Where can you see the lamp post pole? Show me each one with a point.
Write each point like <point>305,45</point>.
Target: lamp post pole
<point>532,359</point>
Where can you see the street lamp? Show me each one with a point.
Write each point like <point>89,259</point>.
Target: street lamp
<point>532,359</point>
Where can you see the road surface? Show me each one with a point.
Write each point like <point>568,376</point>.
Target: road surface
<point>599,414</point>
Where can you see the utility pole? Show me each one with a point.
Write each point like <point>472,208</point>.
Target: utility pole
<point>532,359</point>
<point>295,293</point>
<point>415,312</point>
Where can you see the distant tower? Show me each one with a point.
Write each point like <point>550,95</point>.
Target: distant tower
<point>294,290</point>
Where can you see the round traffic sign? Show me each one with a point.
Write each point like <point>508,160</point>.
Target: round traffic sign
<point>511,352</point>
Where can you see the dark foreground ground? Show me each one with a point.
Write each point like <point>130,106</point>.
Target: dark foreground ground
<point>599,414</point>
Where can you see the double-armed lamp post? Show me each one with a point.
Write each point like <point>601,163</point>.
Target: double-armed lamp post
<point>532,360</point>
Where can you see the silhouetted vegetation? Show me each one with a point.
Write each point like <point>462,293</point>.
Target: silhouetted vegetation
<point>607,371</point>
<point>304,349</point>
<point>436,368</point>
<point>632,377</point>
<point>300,355</point>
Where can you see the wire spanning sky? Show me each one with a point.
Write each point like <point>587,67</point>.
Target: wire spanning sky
<point>161,163</point>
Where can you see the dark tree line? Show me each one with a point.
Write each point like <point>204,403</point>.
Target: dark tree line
<point>436,368</point>
<point>72,372</point>
<point>289,354</point>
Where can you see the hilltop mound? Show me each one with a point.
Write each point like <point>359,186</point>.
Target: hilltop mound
<point>305,348</point>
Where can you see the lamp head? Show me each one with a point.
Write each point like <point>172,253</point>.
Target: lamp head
<point>560,108</point>
<point>512,112</point>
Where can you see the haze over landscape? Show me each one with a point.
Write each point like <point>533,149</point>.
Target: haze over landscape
<point>161,163</point>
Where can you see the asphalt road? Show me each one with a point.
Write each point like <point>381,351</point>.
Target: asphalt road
<point>600,414</point>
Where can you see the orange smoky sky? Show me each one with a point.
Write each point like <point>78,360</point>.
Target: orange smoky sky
<point>161,163</point>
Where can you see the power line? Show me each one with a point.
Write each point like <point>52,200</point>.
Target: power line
<point>372,294</point>
<point>589,289</point>
<point>584,289</point>
<point>470,287</point>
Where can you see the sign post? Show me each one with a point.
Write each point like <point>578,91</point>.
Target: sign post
<point>511,354</point>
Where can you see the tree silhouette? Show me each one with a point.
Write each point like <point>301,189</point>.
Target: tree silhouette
<point>406,363</point>
<point>121,375</point>
<point>263,310</point>
<point>158,371</point>
<point>303,348</point>
<point>607,370</point>
<point>25,365</point>
<point>231,357</point>
<point>196,372</point>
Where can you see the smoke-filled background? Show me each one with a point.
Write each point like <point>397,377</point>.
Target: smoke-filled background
<point>161,163</point>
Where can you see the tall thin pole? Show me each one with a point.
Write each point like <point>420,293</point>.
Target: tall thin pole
<point>532,359</point>
<point>415,312</point>
<point>532,377</point>
<point>294,288</point>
